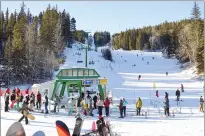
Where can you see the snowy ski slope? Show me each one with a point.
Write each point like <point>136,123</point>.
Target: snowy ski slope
<point>123,81</point>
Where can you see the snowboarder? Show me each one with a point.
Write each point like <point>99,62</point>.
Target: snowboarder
<point>139,77</point>
<point>121,108</point>
<point>107,105</point>
<point>6,98</point>
<point>166,106</point>
<point>24,110</point>
<point>38,103</point>
<point>201,102</point>
<point>100,106</point>
<point>139,106</point>
<point>124,104</point>
<point>182,88</point>
<point>95,98</point>
<point>157,93</point>
<point>178,96</point>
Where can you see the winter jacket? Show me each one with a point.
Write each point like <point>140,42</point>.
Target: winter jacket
<point>18,91</point>
<point>56,100</point>
<point>95,98</point>
<point>100,103</point>
<point>120,106</point>
<point>201,100</point>
<point>177,93</point>
<point>8,90</point>
<point>21,98</point>
<point>157,93</point>
<point>27,91</point>
<point>24,108</point>
<point>39,97</point>
<point>6,97</point>
<point>107,103</point>
<point>166,103</point>
<point>46,99</point>
<point>124,103</point>
<point>18,98</point>
<point>139,104</point>
<point>79,102</point>
<point>13,97</point>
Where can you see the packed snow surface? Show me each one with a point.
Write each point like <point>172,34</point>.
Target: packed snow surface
<point>123,82</point>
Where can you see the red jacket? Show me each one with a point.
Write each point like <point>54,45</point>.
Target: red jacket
<point>8,90</point>
<point>157,94</point>
<point>107,103</point>
<point>38,97</point>
<point>18,91</point>
<point>27,91</point>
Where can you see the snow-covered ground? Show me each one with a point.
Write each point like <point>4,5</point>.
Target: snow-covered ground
<point>123,82</point>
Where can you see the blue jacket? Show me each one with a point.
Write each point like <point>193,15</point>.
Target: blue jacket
<point>124,103</point>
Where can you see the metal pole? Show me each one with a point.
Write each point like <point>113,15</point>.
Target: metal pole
<point>86,55</point>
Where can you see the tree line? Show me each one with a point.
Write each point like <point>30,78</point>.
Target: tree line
<point>31,46</point>
<point>101,38</point>
<point>183,39</point>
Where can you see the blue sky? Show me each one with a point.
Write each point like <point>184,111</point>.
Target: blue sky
<point>114,16</point>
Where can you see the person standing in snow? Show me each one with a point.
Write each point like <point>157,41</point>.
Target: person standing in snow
<point>124,104</point>
<point>95,98</point>
<point>166,106</point>
<point>182,88</point>
<point>139,106</point>
<point>6,98</point>
<point>167,73</point>
<point>21,98</point>
<point>157,93</point>
<point>178,96</point>
<point>38,103</point>
<point>201,102</point>
<point>139,77</point>
<point>56,103</point>
<point>13,99</point>
<point>121,108</point>
<point>79,106</point>
<point>107,105</point>
<point>46,104</point>
<point>100,106</point>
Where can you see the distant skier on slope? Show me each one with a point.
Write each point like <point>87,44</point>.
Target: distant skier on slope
<point>139,106</point>
<point>182,88</point>
<point>201,102</point>
<point>121,108</point>
<point>166,106</point>
<point>157,93</point>
<point>178,96</point>
<point>139,77</point>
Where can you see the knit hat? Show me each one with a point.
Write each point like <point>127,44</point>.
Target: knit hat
<point>16,129</point>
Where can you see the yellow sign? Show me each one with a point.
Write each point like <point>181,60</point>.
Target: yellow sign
<point>103,81</point>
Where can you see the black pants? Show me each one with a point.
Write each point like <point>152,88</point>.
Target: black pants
<point>6,106</point>
<point>138,111</point>
<point>46,108</point>
<point>26,119</point>
<point>95,106</point>
<point>100,110</point>
<point>107,111</point>
<point>124,110</point>
<point>55,105</point>
<point>38,104</point>
<point>121,112</point>
<point>166,111</point>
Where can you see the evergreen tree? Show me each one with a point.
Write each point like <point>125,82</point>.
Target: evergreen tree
<point>73,24</point>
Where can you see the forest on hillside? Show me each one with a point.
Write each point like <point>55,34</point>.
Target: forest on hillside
<point>182,39</point>
<point>31,46</point>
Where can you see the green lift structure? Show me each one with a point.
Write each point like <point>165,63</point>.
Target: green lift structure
<point>80,78</point>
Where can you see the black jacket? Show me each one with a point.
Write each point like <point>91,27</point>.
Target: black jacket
<point>95,98</point>
<point>177,93</point>
<point>13,97</point>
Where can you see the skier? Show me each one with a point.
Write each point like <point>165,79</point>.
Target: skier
<point>107,105</point>
<point>201,102</point>
<point>121,108</point>
<point>100,106</point>
<point>24,110</point>
<point>166,106</point>
<point>167,73</point>
<point>182,88</point>
<point>124,104</point>
<point>38,103</point>
<point>178,95</point>
<point>139,77</point>
<point>95,98</point>
<point>157,93</point>
<point>46,103</point>
<point>139,106</point>
<point>6,98</point>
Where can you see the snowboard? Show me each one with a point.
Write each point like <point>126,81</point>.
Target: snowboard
<point>39,133</point>
<point>28,115</point>
<point>62,128</point>
<point>16,129</point>
<point>78,126</point>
